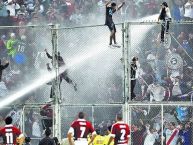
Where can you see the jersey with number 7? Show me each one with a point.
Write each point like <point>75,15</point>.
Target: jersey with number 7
<point>10,134</point>
<point>81,128</point>
<point>121,133</point>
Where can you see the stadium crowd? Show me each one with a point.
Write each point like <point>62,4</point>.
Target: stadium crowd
<point>165,74</point>
<point>66,12</point>
<point>146,126</point>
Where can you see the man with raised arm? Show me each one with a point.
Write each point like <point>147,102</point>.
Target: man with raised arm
<point>111,7</point>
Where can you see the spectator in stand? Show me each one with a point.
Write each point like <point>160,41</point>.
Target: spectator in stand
<point>47,140</point>
<point>181,37</point>
<point>188,15</point>
<point>175,11</point>
<point>151,135</point>
<point>47,113</point>
<point>2,67</point>
<point>22,14</point>
<point>11,45</point>
<point>138,133</point>
<point>190,40</point>
<point>3,52</point>
<point>186,134</point>
<point>30,6</point>
<point>155,91</point>
<point>3,10</point>
<point>172,134</point>
<point>13,7</point>
<point>36,130</point>
<point>27,141</point>
<point>56,140</point>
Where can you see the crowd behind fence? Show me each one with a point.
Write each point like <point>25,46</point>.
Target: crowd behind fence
<point>164,72</point>
<point>149,124</point>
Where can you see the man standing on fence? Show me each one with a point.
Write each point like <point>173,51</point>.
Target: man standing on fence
<point>111,7</point>
<point>120,132</point>
<point>133,76</point>
<point>165,16</point>
<point>79,130</point>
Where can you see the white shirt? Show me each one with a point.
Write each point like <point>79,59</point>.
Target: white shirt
<point>12,9</point>
<point>169,134</point>
<point>188,10</point>
<point>168,14</point>
<point>150,138</point>
<point>157,92</point>
<point>36,131</point>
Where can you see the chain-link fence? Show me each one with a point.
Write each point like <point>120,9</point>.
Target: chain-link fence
<point>95,68</point>
<point>23,47</point>
<point>101,116</point>
<point>161,124</point>
<point>164,70</point>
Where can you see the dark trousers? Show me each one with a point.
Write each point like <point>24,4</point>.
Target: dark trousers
<point>164,25</point>
<point>133,83</point>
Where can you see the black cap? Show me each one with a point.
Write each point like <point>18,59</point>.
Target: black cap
<point>164,4</point>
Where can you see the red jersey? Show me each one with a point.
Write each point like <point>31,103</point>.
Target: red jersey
<point>81,128</point>
<point>10,134</point>
<point>121,133</point>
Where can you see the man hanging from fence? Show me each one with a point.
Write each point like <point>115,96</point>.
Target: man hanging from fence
<point>111,7</point>
<point>64,75</point>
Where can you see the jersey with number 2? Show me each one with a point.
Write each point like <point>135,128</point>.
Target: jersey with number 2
<point>9,134</point>
<point>121,133</point>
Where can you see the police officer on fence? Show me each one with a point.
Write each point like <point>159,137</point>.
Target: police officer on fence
<point>133,76</point>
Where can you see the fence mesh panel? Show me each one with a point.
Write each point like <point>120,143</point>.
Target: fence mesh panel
<point>150,124</point>
<point>95,67</point>
<point>164,69</point>
<point>101,116</point>
<point>145,119</point>
<point>36,119</point>
<point>24,48</point>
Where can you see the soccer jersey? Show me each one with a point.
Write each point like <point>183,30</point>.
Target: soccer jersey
<point>99,140</point>
<point>109,15</point>
<point>81,128</point>
<point>10,134</point>
<point>121,133</point>
<point>106,140</point>
<point>172,136</point>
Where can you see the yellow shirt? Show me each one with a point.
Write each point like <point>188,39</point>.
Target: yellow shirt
<point>99,140</point>
<point>106,140</point>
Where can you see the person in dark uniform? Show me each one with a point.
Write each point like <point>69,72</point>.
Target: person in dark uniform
<point>47,140</point>
<point>2,67</point>
<point>63,75</point>
<point>133,76</point>
<point>111,7</point>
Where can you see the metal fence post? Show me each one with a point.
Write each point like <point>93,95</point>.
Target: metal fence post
<point>162,123</point>
<point>56,84</point>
